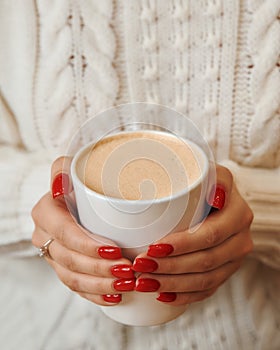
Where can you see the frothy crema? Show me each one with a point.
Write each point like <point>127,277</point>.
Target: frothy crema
<point>141,165</point>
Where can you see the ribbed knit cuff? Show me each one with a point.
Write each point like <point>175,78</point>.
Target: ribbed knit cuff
<point>261,189</point>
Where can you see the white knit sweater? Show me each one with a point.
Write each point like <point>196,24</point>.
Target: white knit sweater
<point>217,61</point>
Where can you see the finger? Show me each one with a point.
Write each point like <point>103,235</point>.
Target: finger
<point>219,194</point>
<point>77,262</point>
<point>234,248</point>
<point>193,282</point>
<point>82,283</point>
<point>103,300</point>
<point>53,217</point>
<point>215,229</point>
<point>61,183</point>
<point>178,299</point>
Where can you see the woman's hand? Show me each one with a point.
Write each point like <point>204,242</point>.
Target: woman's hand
<point>187,267</point>
<point>82,262</point>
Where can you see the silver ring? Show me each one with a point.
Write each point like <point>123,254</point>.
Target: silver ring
<point>44,250</point>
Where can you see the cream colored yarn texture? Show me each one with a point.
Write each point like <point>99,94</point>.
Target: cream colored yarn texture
<point>63,61</point>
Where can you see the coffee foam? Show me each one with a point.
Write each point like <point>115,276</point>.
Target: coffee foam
<point>141,165</point>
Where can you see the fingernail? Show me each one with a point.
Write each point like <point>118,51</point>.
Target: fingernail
<point>122,271</point>
<point>110,252</point>
<point>144,265</point>
<point>147,285</point>
<point>167,297</point>
<point>124,285</point>
<point>112,298</point>
<point>60,185</point>
<point>160,250</point>
<point>219,196</point>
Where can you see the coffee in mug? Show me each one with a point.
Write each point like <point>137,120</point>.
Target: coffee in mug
<point>141,166</point>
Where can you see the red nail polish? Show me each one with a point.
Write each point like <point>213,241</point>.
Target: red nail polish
<point>112,298</point>
<point>160,250</point>
<point>167,297</point>
<point>144,265</point>
<point>60,185</point>
<point>122,271</point>
<point>110,252</point>
<point>124,285</point>
<point>218,197</point>
<point>147,285</point>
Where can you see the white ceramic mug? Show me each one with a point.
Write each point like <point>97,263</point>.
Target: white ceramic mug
<point>133,225</point>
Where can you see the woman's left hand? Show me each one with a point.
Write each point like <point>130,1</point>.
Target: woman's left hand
<point>187,267</point>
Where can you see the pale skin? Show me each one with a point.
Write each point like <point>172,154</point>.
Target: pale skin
<point>198,265</point>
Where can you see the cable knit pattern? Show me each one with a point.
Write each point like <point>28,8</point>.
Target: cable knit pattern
<point>205,43</point>
<point>181,59</point>
<point>149,41</point>
<point>180,42</point>
<point>62,61</point>
<point>75,77</point>
<point>257,78</point>
<point>98,40</point>
<point>54,102</point>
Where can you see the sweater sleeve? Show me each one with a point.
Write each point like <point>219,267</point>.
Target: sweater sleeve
<point>260,187</point>
<point>24,179</point>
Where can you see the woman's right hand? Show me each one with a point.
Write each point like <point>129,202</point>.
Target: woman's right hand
<point>96,271</point>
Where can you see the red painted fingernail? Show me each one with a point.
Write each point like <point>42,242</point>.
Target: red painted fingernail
<point>144,265</point>
<point>60,185</point>
<point>160,250</point>
<point>167,297</point>
<point>218,194</point>
<point>110,252</point>
<point>122,271</point>
<point>124,285</point>
<point>112,298</point>
<point>147,285</point>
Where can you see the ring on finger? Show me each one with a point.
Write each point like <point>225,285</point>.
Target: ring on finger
<point>44,249</point>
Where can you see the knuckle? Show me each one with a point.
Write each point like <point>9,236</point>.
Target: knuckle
<point>62,230</point>
<point>172,266</point>
<point>34,239</point>
<point>249,217</point>
<point>58,162</point>
<point>73,284</point>
<point>96,268</point>
<point>69,262</point>
<point>36,210</point>
<point>213,236</point>
<point>60,234</point>
<point>172,285</point>
<point>39,209</point>
<point>228,174</point>
<point>86,246</point>
<point>103,286</point>
<point>206,282</point>
<point>208,262</point>
<point>248,247</point>
<point>61,276</point>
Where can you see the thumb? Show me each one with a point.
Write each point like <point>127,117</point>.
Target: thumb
<point>61,183</point>
<point>221,191</point>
